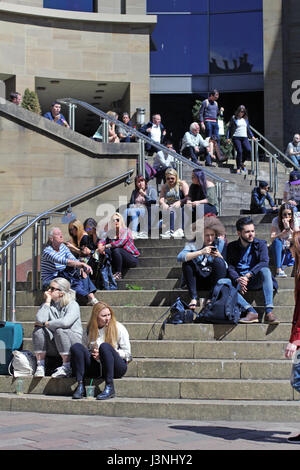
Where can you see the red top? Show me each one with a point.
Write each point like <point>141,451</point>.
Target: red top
<point>295,333</point>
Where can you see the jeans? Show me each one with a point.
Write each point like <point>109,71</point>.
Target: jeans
<point>84,365</point>
<point>263,279</point>
<point>212,128</point>
<point>296,160</point>
<point>196,282</point>
<point>277,249</point>
<point>243,150</point>
<point>137,214</point>
<point>242,303</point>
<point>189,152</point>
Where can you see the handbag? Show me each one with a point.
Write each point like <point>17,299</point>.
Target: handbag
<point>179,314</point>
<point>22,364</point>
<point>295,374</point>
<point>104,279</point>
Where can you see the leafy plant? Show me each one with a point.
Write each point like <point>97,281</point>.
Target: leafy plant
<point>133,287</point>
<point>31,102</point>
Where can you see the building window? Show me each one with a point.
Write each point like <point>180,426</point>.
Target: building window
<point>71,5</point>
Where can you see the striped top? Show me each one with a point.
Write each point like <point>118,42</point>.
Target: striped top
<point>53,261</point>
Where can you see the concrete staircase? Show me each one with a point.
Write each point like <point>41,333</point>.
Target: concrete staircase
<point>197,371</point>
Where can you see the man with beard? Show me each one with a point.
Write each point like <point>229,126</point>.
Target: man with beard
<point>248,266</point>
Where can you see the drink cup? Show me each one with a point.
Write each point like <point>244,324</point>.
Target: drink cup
<point>90,391</point>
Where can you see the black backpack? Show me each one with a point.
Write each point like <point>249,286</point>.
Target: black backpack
<point>223,307</point>
<point>179,314</point>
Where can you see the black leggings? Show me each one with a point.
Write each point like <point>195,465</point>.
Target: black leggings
<point>196,282</point>
<point>122,259</point>
<point>84,365</point>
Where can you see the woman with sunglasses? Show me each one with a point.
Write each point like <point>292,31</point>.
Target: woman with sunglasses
<point>119,239</point>
<point>240,133</point>
<point>282,230</point>
<point>173,196</point>
<point>57,327</point>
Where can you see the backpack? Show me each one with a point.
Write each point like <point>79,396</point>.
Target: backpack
<point>223,307</point>
<point>150,172</point>
<point>104,279</point>
<point>22,364</point>
<point>179,314</point>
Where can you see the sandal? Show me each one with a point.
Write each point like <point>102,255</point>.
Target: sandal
<point>117,276</point>
<point>193,304</point>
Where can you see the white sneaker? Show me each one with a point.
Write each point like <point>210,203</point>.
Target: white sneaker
<point>135,235</point>
<point>93,301</point>
<point>40,371</point>
<point>167,234</point>
<point>62,371</point>
<point>143,235</point>
<point>179,233</point>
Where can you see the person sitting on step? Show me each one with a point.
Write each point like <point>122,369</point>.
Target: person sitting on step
<point>282,230</point>
<point>118,238</point>
<point>202,191</point>
<point>203,267</point>
<point>57,327</point>
<point>173,196</point>
<point>140,207</point>
<point>58,261</point>
<point>105,352</point>
<point>248,266</point>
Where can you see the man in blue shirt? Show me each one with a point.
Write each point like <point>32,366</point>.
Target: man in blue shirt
<point>248,266</point>
<point>55,115</point>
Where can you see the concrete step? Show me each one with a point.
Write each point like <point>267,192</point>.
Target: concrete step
<point>195,389</point>
<point>195,409</point>
<point>195,332</point>
<point>207,349</point>
<point>141,313</point>
<point>285,296</point>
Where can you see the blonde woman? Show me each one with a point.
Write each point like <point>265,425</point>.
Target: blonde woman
<point>79,237</point>
<point>105,351</point>
<point>57,327</point>
<point>119,240</point>
<point>112,135</point>
<point>173,196</point>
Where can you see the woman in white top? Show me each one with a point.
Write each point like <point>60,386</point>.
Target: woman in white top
<point>105,351</point>
<point>240,132</point>
<point>282,230</point>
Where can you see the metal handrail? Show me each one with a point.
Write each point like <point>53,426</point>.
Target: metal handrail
<point>13,219</point>
<point>11,243</point>
<point>285,157</point>
<point>143,138</point>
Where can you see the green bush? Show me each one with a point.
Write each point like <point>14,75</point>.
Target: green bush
<point>31,102</point>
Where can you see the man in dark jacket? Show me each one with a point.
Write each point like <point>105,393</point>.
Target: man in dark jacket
<point>154,130</point>
<point>248,266</point>
<point>258,197</point>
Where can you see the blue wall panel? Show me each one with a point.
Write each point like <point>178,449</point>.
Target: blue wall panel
<point>72,5</point>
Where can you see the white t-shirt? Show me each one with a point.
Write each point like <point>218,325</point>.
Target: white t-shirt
<point>293,191</point>
<point>287,235</point>
<point>241,128</point>
<point>155,133</point>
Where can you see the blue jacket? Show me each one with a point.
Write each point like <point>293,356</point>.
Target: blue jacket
<point>260,258</point>
<point>258,199</point>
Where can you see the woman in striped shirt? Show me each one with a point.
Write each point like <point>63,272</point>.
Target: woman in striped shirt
<point>119,240</point>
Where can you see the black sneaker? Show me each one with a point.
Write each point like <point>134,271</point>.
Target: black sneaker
<point>294,438</point>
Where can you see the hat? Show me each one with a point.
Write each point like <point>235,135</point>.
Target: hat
<point>294,177</point>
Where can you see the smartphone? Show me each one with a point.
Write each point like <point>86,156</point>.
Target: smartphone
<point>213,248</point>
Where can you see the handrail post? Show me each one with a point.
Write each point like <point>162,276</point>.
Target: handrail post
<point>219,196</point>
<point>4,282</point>
<point>34,256</point>
<point>105,131</point>
<point>252,156</point>
<point>141,159</point>
<point>43,241</point>
<point>256,162</point>
<point>12,280</point>
<point>271,172</point>
<point>275,178</point>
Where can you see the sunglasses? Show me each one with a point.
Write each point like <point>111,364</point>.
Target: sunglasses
<point>53,288</point>
<point>116,220</point>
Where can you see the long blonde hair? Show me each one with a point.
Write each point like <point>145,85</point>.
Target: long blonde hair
<point>173,172</point>
<point>65,287</point>
<point>80,232</point>
<point>111,331</point>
